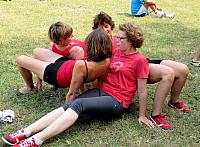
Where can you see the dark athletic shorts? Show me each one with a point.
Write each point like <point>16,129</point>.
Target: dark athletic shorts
<point>154,61</point>
<point>50,72</point>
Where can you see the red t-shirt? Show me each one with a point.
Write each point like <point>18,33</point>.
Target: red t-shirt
<point>66,51</point>
<point>64,74</point>
<point>125,70</point>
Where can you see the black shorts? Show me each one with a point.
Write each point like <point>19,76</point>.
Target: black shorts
<point>155,61</point>
<point>50,72</point>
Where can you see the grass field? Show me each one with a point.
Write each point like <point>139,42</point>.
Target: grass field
<point>23,27</point>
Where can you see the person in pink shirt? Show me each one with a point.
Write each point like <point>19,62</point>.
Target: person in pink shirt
<point>128,73</point>
<point>170,76</point>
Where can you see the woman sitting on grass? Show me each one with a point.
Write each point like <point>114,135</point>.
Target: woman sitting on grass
<point>128,73</point>
<point>71,72</point>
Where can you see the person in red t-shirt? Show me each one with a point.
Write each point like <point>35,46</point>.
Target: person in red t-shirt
<point>128,72</point>
<point>171,75</point>
<point>71,72</point>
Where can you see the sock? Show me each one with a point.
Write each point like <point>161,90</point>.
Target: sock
<point>38,141</point>
<point>27,132</point>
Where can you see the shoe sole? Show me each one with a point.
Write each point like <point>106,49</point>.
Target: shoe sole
<point>6,141</point>
<point>166,130</point>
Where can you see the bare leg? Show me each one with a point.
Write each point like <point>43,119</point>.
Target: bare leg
<point>39,84</point>
<point>45,121</point>
<point>67,119</point>
<point>151,4</point>
<point>165,76</point>
<point>27,76</point>
<point>31,64</point>
<point>26,65</point>
<point>45,55</point>
<point>181,73</point>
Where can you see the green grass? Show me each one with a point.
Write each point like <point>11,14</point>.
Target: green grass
<point>23,27</point>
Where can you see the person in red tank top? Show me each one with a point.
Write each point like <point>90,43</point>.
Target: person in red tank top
<point>63,44</point>
<point>71,73</point>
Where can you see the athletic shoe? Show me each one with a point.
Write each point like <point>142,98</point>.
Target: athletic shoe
<point>169,15</point>
<point>30,142</point>
<point>160,14</point>
<point>13,138</point>
<point>180,106</point>
<point>160,121</point>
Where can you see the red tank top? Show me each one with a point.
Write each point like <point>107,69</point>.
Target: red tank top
<point>66,51</point>
<point>64,74</point>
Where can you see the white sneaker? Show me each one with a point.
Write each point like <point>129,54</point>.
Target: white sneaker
<point>160,14</point>
<point>169,15</point>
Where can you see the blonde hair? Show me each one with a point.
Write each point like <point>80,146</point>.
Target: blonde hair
<point>59,31</point>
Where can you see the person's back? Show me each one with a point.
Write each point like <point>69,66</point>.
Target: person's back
<point>135,6</point>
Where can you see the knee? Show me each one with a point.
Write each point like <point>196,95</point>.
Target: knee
<point>184,71</point>
<point>169,75</point>
<point>36,52</point>
<point>77,106</point>
<point>19,59</point>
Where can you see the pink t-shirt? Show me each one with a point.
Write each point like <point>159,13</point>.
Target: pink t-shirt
<point>66,51</point>
<point>125,70</point>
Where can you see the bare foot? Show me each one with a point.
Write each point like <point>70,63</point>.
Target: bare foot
<point>38,86</point>
<point>25,90</point>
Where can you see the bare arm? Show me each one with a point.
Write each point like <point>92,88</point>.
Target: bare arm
<point>50,45</point>
<point>76,53</point>
<point>78,74</point>
<point>142,95</point>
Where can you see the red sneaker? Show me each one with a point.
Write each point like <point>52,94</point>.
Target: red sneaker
<point>160,121</point>
<point>30,142</point>
<point>15,137</point>
<point>180,106</point>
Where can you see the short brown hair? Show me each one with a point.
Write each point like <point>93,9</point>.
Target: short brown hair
<point>134,33</point>
<point>102,18</point>
<point>59,31</point>
<point>98,45</point>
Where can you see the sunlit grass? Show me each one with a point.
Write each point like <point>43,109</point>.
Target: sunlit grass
<point>23,27</point>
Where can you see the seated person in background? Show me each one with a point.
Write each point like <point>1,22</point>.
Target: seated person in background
<point>140,8</point>
<point>170,75</point>
<point>127,74</point>
<point>71,72</point>
<point>63,45</point>
<point>196,59</point>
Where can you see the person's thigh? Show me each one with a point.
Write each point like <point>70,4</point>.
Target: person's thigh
<point>46,55</point>
<point>103,106</point>
<point>34,65</point>
<point>91,93</point>
<point>157,71</point>
<point>179,68</point>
